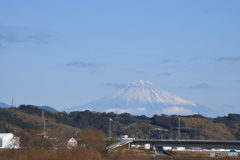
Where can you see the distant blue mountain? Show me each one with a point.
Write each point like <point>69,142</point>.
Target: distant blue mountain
<point>4,105</point>
<point>47,108</point>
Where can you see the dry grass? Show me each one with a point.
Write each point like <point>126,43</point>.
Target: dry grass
<point>119,154</point>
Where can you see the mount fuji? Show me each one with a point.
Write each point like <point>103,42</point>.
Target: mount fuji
<point>143,98</point>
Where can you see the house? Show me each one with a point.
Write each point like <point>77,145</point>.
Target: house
<point>7,140</point>
<point>125,137</point>
<point>71,143</point>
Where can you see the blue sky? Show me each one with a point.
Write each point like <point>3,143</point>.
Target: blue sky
<point>67,53</point>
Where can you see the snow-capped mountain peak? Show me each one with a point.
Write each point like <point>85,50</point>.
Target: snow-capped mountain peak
<point>142,97</point>
<point>145,92</point>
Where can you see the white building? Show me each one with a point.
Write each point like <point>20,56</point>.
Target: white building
<point>7,140</point>
<point>71,143</point>
<point>167,148</point>
<point>147,146</point>
<point>125,137</point>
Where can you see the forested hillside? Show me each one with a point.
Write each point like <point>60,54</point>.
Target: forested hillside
<point>158,126</point>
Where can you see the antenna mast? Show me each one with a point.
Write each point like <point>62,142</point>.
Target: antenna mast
<point>179,133</point>
<point>42,115</point>
<point>44,123</point>
<point>110,132</point>
<point>12,101</point>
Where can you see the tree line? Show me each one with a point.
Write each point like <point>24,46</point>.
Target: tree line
<point>158,126</point>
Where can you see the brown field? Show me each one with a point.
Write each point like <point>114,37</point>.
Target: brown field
<point>118,154</point>
<point>92,146</point>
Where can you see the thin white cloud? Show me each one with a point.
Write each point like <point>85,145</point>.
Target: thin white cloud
<point>229,59</point>
<point>10,38</point>
<point>90,109</point>
<point>176,110</point>
<point>39,38</point>
<point>127,110</point>
<point>10,34</point>
<point>201,86</point>
<point>165,74</point>
<point>194,58</point>
<point>198,86</point>
<point>140,72</point>
<point>84,64</point>
<point>165,60</point>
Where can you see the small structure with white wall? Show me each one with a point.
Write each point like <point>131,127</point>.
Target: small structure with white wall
<point>71,143</point>
<point>7,140</point>
<point>179,148</point>
<point>167,148</point>
<point>147,146</point>
<point>125,137</point>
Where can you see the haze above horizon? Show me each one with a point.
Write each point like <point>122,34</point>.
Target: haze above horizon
<point>64,54</point>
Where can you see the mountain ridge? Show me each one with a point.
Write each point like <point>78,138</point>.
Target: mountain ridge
<point>142,97</point>
<point>141,91</point>
<point>4,105</point>
<point>47,108</point>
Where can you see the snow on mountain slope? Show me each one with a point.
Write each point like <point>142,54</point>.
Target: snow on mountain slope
<point>142,97</point>
<point>145,92</point>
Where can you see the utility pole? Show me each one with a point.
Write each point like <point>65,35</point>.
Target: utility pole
<point>115,126</point>
<point>12,106</point>
<point>42,115</point>
<point>110,119</point>
<point>116,109</point>
<point>179,133</point>
<point>12,102</point>
<point>44,125</point>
